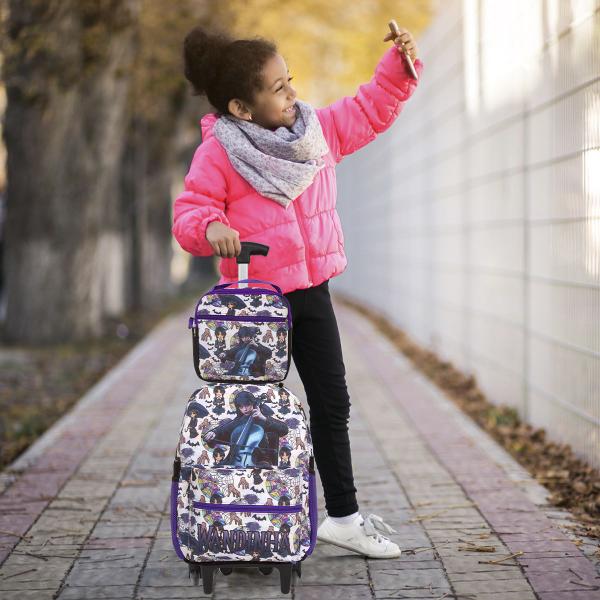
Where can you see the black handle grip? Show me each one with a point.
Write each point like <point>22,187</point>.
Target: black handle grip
<point>250,248</point>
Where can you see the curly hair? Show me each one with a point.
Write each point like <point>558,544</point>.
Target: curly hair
<point>223,68</point>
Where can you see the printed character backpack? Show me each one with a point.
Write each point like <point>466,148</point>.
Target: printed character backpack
<point>250,499</point>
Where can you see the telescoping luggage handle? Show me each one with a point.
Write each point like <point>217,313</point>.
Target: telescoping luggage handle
<point>248,249</point>
<point>243,259</point>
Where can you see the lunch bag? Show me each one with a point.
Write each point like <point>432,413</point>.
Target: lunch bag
<point>242,334</point>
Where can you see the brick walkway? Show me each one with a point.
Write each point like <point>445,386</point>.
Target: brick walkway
<point>84,512</point>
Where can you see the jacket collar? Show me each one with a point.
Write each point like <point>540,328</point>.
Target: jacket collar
<point>207,122</point>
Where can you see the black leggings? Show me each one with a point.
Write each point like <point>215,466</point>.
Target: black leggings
<point>317,354</point>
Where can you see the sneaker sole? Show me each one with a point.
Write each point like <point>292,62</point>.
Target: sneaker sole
<point>347,547</point>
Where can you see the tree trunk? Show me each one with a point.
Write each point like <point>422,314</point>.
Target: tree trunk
<point>67,89</point>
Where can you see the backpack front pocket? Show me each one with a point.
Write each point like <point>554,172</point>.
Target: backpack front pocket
<point>264,516</point>
<point>246,532</point>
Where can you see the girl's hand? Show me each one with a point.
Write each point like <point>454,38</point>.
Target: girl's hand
<point>224,241</point>
<point>404,40</point>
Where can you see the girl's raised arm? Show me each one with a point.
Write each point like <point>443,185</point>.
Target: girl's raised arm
<point>353,121</point>
<point>201,202</point>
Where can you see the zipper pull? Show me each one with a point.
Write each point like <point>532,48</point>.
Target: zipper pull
<point>311,465</point>
<point>191,323</point>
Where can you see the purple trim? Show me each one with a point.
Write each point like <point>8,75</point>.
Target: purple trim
<point>245,318</point>
<point>174,538</point>
<point>208,317</point>
<point>284,298</point>
<point>257,508</point>
<point>313,512</point>
<point>224,285</point>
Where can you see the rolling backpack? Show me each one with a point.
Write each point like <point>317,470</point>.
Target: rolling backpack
<point>243,492</point>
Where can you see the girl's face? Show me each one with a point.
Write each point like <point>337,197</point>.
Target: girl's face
<point>270,104</point>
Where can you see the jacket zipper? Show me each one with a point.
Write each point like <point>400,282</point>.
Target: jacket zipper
<point>306,252</point>
<point>256,508</point>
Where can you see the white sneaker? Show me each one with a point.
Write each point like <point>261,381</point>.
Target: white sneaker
<point>362,536</point>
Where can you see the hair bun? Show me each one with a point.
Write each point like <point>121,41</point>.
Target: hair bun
<point>202,52</point>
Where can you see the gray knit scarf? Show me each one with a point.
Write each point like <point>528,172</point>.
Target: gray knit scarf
<point>278,164</point>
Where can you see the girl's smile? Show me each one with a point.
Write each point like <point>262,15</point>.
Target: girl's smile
<point>275,104</point>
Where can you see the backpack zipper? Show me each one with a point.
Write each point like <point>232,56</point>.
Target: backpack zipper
<point>262,508</point>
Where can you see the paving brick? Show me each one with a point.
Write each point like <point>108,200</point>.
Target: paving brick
<point>30,594</point>
<point>572,595</point>
<point>391,579</point>
<point>340,592</point>
<point>562,581</point>
<point>495,586</point>
<point>105,591</point>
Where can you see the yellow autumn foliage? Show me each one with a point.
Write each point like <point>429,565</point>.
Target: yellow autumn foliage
<point>330,47</point>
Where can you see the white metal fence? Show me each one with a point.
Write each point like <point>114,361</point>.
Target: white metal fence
<point>474,221</point>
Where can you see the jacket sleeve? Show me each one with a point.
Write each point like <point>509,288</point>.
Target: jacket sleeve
<point>353,121</point>
<point>201,202</point>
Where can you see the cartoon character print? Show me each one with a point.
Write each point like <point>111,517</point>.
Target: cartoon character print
<point>220,344</point>
<point>247,355</point>
<point>284,401</point>
<point>282,342</point>
<point>232,302</point>
<point>218,456</point>
<point>209,479</point>
<point>277,303</point>
<point>218,402</point>
<point>230,350</point>
<point>195,412</point>
<point>252,435</point>
<point>285,453</point>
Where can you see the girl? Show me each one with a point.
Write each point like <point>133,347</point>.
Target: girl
<point>265,172</point>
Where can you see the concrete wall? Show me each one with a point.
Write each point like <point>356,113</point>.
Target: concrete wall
<point>476,217</point>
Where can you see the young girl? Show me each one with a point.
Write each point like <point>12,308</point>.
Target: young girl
<point>265,172</point>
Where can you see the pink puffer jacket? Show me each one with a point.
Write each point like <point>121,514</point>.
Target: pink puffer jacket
<point>306,243</point>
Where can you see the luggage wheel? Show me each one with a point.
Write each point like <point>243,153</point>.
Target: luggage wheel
<point>207,574</point>
<point>195,574</point>
<point>208,578</point>
<point>286,572</point>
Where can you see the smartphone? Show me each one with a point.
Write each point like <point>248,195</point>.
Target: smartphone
<point>394,29</point>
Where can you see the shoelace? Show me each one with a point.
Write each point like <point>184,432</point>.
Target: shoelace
<point>374,524</point>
